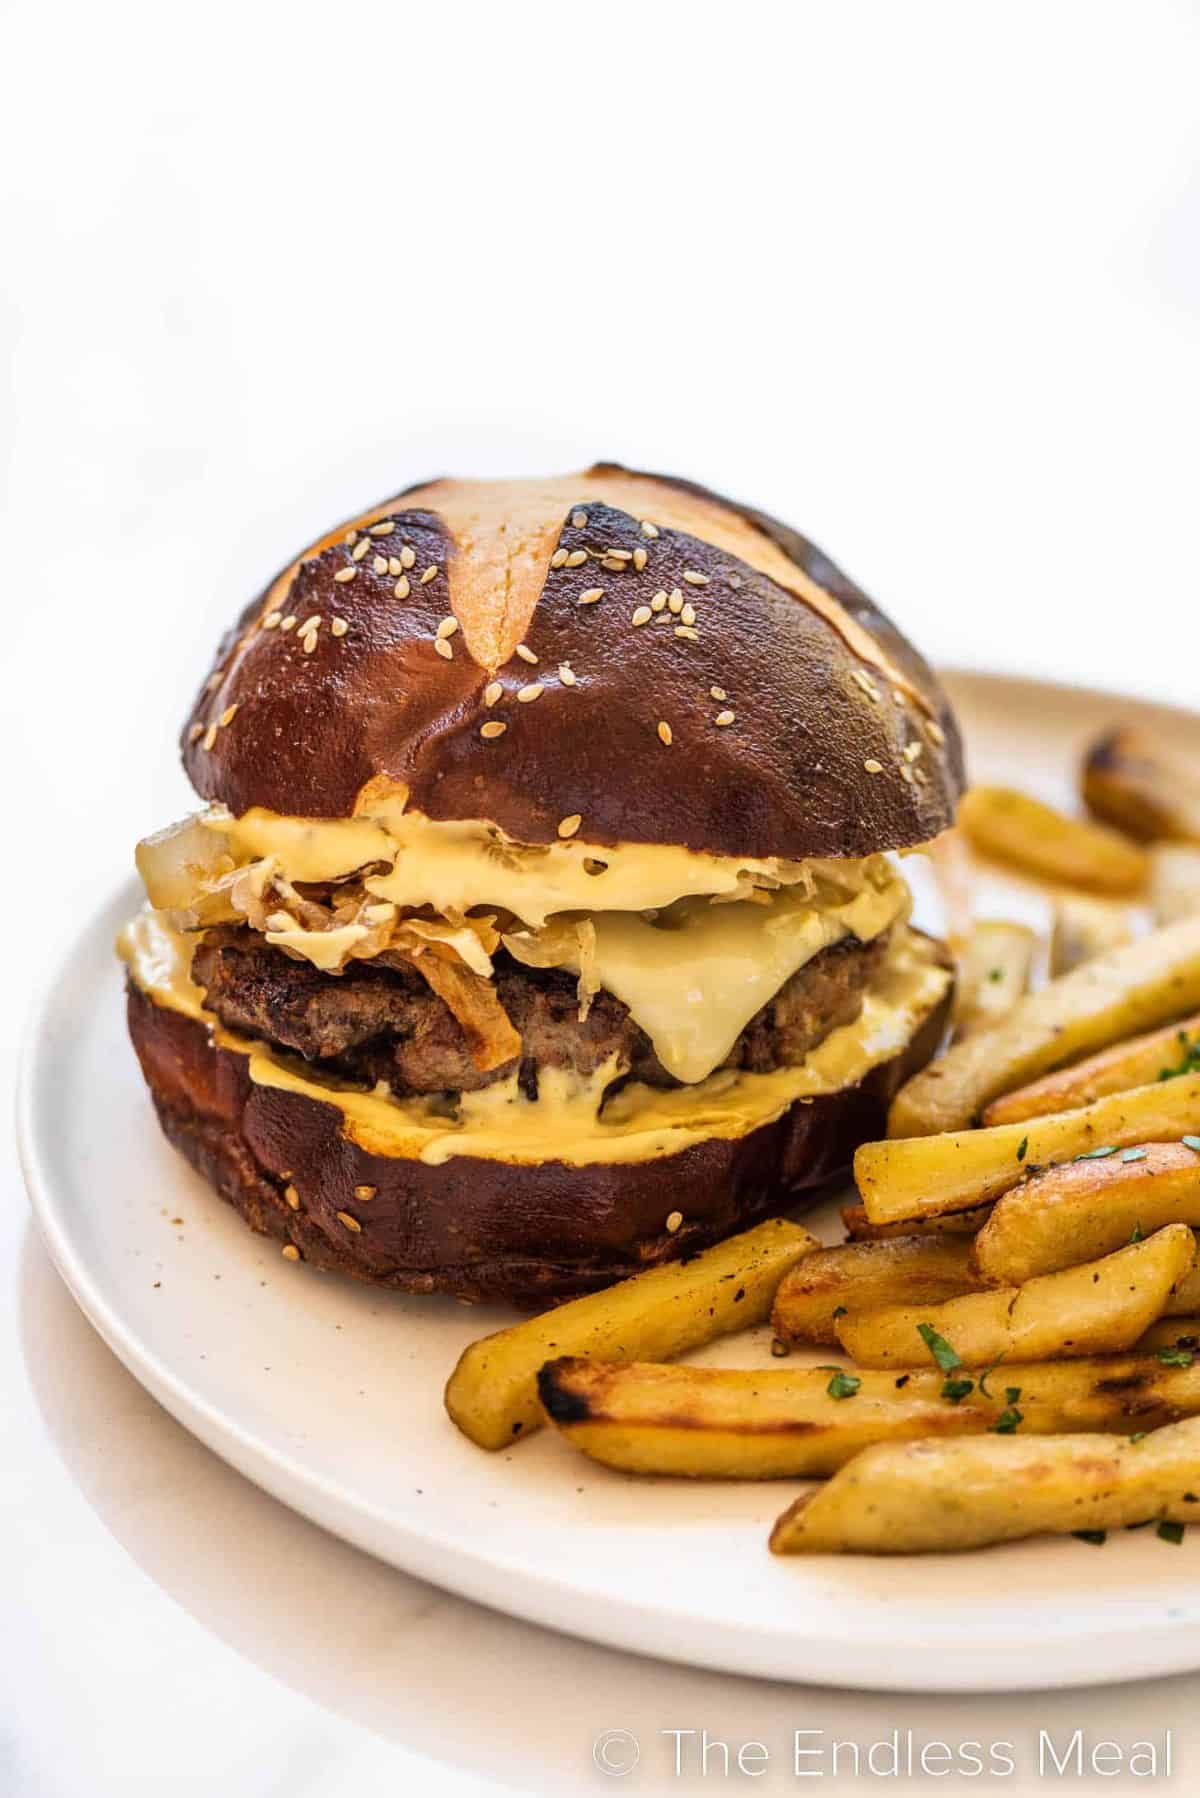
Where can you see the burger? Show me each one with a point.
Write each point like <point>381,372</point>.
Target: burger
<point>540,922</point>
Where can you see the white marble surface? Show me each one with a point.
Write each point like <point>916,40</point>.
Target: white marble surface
<point>923,279</point>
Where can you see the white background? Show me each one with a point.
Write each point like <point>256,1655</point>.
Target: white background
<point>921,278</point>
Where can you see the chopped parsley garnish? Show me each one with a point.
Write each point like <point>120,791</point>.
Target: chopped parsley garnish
<point>1192,1143</point>
<point>1006,1423</point>
<point>1133,1154</point>
<point>947,1358</point>
<point>1170,1532</point>
<point>957,1390</point>
<point>1022,1148</point>
<point>1137,1234</point>
<point>1176,1356</point>
<point>1097,1154</point>
<point>986,1375</point>
<point>839,1310</point>
<point>1190,1062</point>
<point>995,973</point>
<point>1138,1436</point>
<point>1098,1537</point>
<point>843,1384</point>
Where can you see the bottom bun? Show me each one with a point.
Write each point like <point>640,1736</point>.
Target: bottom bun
<point>476,1228</point>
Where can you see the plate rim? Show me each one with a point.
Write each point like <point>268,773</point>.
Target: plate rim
<point>762,1647</point>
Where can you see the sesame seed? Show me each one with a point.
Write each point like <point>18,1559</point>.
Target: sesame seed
<point>292,1197</point>
<point>380,564</point>
<point>230,713</point>
<point>443,649</point>
<point>906,773</point>
<point>288,623</point>
<point>364,1194</point>
<point>620,555</point>
<point>568,826</point>
<point>866,683</point>
<point>492,729</point>
<point>642,615</point>
<point>527,695</point>
<point>872,766</point>
<point>664,732</point>
<point>338,627</point>
<point>448,626</point>
<point>351,1223</point>
<point>309,641</point>
<point>936,734</point>
<point>718,693</point>
<point>210,736</point>
<point>290,1252</point>
<point>345,574</point>
<point>526,654</point>
<point>408,556</point>
<point>566,674</point>
<point>675,602</point>
<point>687,613</point>
<point>639,558</point>
<point>694,578</point>
<point>430,574</point>
<point>384,528</point>
<point>214,680</point>
<point>735,580</point>
<point>271,621</point>
<point>674,1221</point>
<point>687,633</point>
<point>579,520</point>
<point>648,529</point>
<point>492,692</point>
<point>613,564</point>
<point>590,595</point>
<point>395,566</point>
<point>558,558</point>
<point>724,718</point>
<point>311,623</point>
<point>402,588</point>
<point>576,559</point>
<point>913,751</point>
<point>659,602</point>
<point>360,549</point>
<point>196,732</point>
<point>351,537</point>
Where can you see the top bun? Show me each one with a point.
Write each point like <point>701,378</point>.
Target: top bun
<point>787,717</point>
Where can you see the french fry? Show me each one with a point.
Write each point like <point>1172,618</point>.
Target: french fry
<point>1083,928</point>
<point>1174,881</point>
<point>1083,1209</point>
<point>860,1276</point>
<point>1133,1063</point>
<point>1013,827</point>
<point>925,1175</point>
<point>1099,1308</point>
<point>1117,995</point>
<point>931,1497</point>
<point>1182,1333</point>
<point>1141,787</point>
<point>994,965</point>
<point>492,1393</point>
<point>759,1424</point>
<point>859,1227</point>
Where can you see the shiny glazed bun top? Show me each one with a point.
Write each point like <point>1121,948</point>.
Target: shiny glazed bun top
<point>623,656</point>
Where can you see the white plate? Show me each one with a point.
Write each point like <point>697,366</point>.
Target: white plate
<point>329,1395</point>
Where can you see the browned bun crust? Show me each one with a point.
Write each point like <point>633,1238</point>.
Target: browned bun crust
<point>481,1229</point>
<point>842,740</point>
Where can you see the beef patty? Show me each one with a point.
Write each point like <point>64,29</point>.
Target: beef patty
<point>376,1022</point>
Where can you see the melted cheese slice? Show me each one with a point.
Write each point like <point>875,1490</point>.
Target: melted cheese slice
<point>693,980</point>
<point>569,1122</point>
<point>456,866</point>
